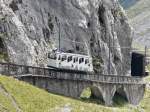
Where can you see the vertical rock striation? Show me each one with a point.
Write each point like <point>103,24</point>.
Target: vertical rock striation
<point>30,29</point>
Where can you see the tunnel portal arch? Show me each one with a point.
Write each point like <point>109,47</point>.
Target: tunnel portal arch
<point>92,93</point>
<point>120,97</point>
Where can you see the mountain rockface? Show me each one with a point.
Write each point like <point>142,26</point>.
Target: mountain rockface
<point>29,29</point>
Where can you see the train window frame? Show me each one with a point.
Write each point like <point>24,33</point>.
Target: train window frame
<point>59,57</point>
<point>64,58</point>
<point>55,57</point>
<point>74,59</point>
<point>81,60</point>
<point>69,59</point>
<point>77,59</point>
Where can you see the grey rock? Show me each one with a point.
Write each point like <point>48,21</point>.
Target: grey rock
<point>32,28</point>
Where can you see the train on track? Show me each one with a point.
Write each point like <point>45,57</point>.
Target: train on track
<point>70,62</point>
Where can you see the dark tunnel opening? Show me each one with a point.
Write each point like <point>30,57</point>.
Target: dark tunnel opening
<point>138,64</point>
<point>120,98</point>
<point>90,95</point>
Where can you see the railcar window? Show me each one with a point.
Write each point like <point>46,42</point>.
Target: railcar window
<point>81,60</point>
<point>77,59</point>
<point>86,61</point>
<point>69,58</point>
<point>74,59</point>
<point>59,57</point>
<point>64,58</point>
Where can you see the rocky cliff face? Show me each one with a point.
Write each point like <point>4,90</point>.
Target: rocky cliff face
<point>29,29</point>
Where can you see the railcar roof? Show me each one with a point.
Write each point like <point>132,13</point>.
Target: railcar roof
<point>72,54</point>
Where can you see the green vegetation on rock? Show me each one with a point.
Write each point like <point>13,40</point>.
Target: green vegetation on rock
<point>3,56</point>
<point>97,63</point>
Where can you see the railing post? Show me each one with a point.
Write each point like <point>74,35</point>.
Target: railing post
<point>44,72</point>
<point>33,71</point>
<point>16,69</point>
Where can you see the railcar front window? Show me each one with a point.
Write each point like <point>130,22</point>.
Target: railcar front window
<point>55,57</point>
<point>49,55</point>
<point>52,56</point>
<point>86,61</point>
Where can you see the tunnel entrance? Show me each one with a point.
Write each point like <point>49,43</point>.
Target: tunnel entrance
<point>92,95</point>
<point>120,99</point>
<point>138,64</point>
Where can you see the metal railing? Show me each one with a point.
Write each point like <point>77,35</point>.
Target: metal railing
<point>24,71</point>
